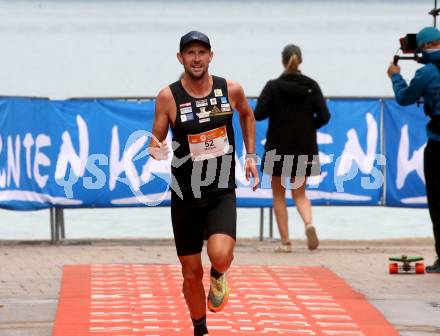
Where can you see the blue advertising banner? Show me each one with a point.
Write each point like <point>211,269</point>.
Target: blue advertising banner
<point>93,153</point>
<point>89,153</point>
<point>405,141</point>
<point>350,148</point>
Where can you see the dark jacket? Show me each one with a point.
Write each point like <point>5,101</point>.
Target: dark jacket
<point>426,84</point>
<point>296,108</point>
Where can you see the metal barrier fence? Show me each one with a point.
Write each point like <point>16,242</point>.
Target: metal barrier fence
<point>58,232</point>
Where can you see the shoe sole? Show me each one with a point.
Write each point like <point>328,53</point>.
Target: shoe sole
<point>312,238</point>
<point>219,308</point>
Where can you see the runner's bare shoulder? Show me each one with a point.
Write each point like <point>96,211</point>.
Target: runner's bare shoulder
<point>165,99</point>
<point>235,93</point>
<point>233,87</point>
<point>165,103</point>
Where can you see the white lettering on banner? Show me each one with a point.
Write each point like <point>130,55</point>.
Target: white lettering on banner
<point>41,159</point>
<point>68,183</point>
<point>28,142</point>
<point>2,173</point>
<point>126,163</point>
<point>354,152</point>
<point>406,165</point>
<point>31,196</point>
<point>68,155</point>
<point>14,161</point>
<point>322,139</point>
<point>122,161</point>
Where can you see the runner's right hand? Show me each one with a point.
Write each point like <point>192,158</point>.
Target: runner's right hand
<point>160,151</point>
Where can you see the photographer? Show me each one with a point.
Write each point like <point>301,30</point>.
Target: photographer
<point>426,84</point>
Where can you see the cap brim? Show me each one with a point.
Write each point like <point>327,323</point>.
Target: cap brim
<point>186,44</point>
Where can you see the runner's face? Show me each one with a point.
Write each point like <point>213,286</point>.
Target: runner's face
<point>195,59</point>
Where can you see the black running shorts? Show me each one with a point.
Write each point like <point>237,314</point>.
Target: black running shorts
<point>195,219</point>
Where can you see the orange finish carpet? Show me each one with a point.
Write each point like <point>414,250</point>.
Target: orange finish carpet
<point>135,300</point>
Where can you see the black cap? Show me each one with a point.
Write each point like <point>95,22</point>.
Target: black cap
<point>194,36</point>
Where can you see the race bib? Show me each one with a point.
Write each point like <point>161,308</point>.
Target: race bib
<point>208,144</point>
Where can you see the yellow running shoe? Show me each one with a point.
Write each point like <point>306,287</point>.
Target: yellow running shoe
<point>218,294</point>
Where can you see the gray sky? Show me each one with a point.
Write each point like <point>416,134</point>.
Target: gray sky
<point>113,48</point>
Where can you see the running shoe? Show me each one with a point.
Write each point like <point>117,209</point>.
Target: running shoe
<point>434,268</point>
<point>283,248</point>
<point>218,293</point>
<point>312,237</point>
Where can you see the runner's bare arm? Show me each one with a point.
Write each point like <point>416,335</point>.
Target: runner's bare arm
<point>164,107</point>
<point>247,121</point>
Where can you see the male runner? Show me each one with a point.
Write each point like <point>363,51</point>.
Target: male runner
<point>199,109</point>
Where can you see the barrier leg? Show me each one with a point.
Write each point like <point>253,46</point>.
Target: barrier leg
<point>57,227</point>
<point>60,224</point>
<point>270,222</point>
<point>53,238</point>
<point>261,224</point>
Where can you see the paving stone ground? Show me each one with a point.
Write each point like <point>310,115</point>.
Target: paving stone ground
<point>30,276</point>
